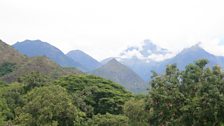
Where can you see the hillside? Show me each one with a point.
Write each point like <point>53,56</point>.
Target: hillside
<point>33,48</point>
<point>121,74</point>
<point>142,58</point>
<point>9,54</point>
<point>189,55</point>
<point>84,59</point>
<point>21,65</point>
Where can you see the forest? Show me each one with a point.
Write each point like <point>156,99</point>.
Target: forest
<point>193,96</point>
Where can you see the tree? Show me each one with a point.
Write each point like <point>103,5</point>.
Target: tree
<point>11,96</point>
<point>134,109</point>
<point>3,111</point>
<point>6,68</point>
<point>48,105</point>
<point>34,79</point>
<point>98,95</point>
<point>194,96</point>
<point>109,120</point>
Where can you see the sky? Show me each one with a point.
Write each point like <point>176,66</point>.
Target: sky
<point>104,28</point>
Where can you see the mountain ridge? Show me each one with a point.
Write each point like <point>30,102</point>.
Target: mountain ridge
<point>84,59</point>
<point>121,74</point>
<point>23,65</point>
<point>33,48</point>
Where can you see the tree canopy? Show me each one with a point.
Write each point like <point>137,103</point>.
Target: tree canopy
<point>194,96</point>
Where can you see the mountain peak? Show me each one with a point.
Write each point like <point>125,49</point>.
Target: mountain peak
<point>197,46</point>
<point>84,59</point>
<point>113,61</point>
<point>117,72</point>
<point>193,49</point>
<point>32,41</point>
<point>76,51</point>
<point>33,48</point>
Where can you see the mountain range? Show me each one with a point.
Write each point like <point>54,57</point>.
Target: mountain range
<point>39,48</point>
<point>22,65</point>
<point>132,68</point>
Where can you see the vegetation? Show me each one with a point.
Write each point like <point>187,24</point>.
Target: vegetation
<point>71,100</point>
<point>109,120</point>
<point>47,106</point>
<point>95,95</point>
<point>134,109</point>
<point>194,96</point>
<point>6,68</point>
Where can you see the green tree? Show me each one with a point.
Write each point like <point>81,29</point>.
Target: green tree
<point>96,95</point>
<point>194,96</point>
<point>11,96</point>
<point>34,79</point>
<point>6,68</point>
<point>4,110</point>
<point>135,110</point>
<point>109,120</point>
<point>48,106</point>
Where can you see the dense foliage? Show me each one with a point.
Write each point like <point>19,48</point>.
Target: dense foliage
<point>194,96</point>
<point>6,68</point>
<point>95,95</point>
<point>134,109</point>
<point>49,105</point>
<point>109,120</point>
<point>72,100</point>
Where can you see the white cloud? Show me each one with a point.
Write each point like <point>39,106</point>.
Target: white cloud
<point>159,57</point>
<point>104,28</point>
<point>133,53</point>
<point>213,46</point>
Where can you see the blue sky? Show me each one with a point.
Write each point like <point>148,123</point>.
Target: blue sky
<point>104,28</point>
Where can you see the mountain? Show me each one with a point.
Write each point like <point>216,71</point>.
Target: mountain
<point>21,65</point>
<point>121,74</point>
<point>84,59</point>
<point>142,58</point>
<point>9,54</point>
<point>105,61</point>
<point>33,48</point>
<point>189,55</point>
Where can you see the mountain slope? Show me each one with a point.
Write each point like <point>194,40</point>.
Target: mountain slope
<point>84,59</point>
<point>9,54</point>
<point>141,61</point>
<point>121,74</point>
<point>189,55</point>
<point>24,65</point>
<point>39,48</point>
<point>143,57</point>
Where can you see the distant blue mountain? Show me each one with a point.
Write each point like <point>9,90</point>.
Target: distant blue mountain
<point>117,72</point>
<point>189,55</point>
<point>84,59</point>
<point>33,48</point>
<point>143,67</point>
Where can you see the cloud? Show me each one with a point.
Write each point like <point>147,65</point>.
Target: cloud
<point>214,46</point>
<point>147,51</point>
<point>104,28</point>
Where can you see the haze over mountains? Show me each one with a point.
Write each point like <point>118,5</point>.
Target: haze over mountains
<point>132,68</point>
